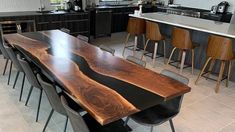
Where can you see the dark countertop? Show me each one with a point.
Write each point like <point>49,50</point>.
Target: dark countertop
<point>117,6</point>
<point>34,13</point>
<point>182,8</point>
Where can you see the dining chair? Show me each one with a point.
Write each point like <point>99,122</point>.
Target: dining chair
<point>83,38</point>
<point>54,99</point>
<point>16,63</point>
<point>107,49</point>
<point>86,123</point>
<point>30,73</point>
<point>65,30</point>
<point>137,61</point>
<point>5,55</point>
<point>163,112</point>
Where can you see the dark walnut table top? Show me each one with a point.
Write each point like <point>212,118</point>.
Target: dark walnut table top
<point>108,87</point>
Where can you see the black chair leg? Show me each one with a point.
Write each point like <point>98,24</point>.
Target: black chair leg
<point>172,125</point>
<point>126,121</point>
<point>22,87</point>
<point>48,120</point>
<point>39,104</point>
<point>17,75</point>
<point>151,129</point>
<point>66,123</point>
<point>30,91</point>
<point>9,76</point>
<point>4,71</point>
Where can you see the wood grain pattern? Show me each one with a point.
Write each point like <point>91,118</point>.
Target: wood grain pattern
<point>181,38</point>
<point>105,104</point>
<point>136,26</point>
<point>153,31</point>
<point>220,48</point>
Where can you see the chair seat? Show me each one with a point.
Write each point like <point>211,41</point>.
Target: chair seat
<point>154,115</point>
<point>94,126</point>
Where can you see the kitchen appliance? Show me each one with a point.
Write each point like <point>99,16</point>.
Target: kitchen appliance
<point>222,7</point>
<point>67,6</point>
<point>170,2</point>
<point>214,9</point>
<point>77,5</point>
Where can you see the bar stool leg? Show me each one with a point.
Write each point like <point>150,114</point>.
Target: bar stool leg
<point>164,51</point>
<point>179,57</point>
<point>135,45</point>
<point>172,52</point>
<point>155,53</point>
<point>229,72</point>
<point>220,76</point>
<point>145,46</point>
<point>210,68</point>
<point>125,44</point>
<point>182,62</point>
<point>203,69</point>
<point>193,61</point>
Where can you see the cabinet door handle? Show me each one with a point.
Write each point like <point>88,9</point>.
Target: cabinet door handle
<point>103,11</point>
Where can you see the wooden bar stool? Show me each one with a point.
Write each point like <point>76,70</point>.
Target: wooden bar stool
<point>153,34</point>
<point>219,48</point>
<point>181,39</point>
<point>135,27</point>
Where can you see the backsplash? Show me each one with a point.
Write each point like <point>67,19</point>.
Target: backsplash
<point>21,5</point>
<point>205,4</point>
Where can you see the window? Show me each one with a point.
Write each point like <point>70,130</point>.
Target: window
<point>56,2</point>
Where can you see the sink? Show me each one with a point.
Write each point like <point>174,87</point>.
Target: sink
<point>116,5</point>
<point>44,11</point>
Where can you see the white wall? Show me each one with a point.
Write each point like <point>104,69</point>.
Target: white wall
<point>204,4</point>
<point>21,5</point>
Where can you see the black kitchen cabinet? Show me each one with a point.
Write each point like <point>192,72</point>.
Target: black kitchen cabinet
<point>103,22</point>
<point>77,23</point>
<point>120,16</point>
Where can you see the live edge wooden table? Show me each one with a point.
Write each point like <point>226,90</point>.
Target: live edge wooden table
<point>107,87</point>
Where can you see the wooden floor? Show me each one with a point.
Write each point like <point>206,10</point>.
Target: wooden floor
<point>202,109</point>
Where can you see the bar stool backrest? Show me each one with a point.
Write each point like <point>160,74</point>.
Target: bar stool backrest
<point>29,72</point>
<point>136,26</point>
<point>153,32</point>
<point>220,48</point>
<point>181,38</point>
<point>76,119</point>
<point>13,58</point>
<point>3,50</point>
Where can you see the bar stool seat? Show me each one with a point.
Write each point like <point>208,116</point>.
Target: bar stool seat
<point>153,34</point>
<point>219,48</point>
<point>135,27</point>
<point>181,39</point>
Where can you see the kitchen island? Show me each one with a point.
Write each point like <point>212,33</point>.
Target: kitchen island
<point>200,30</point>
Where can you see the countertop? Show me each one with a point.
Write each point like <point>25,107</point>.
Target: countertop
<point>34,13</point>
<point>209,26</point>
